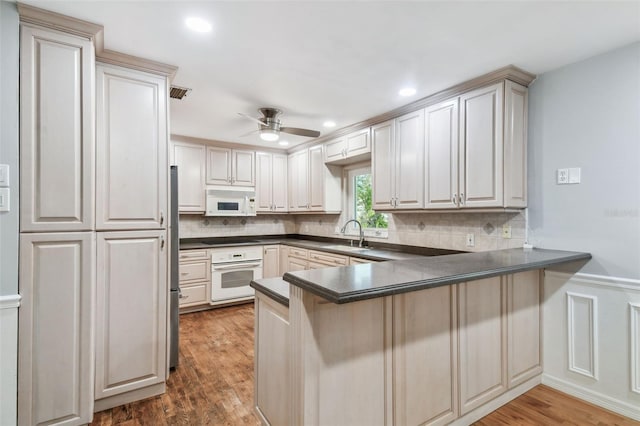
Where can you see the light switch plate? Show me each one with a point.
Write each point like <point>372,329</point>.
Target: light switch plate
<point>574,175</point>
<point>471,240</point>
<point>4,199</point>
<point>4,175</point>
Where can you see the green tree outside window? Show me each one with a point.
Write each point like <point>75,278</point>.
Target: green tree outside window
<point>364,204</point>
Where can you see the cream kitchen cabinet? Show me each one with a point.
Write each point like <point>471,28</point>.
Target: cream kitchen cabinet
<point>230,167</point>
<point>57,133</point>
<point>313,186</point>
<point>190,159</point>
<point>271,261</point>
<point>195,278</point>
<point>271,182</point>
<point>351,148</point>
<point>131,337</point>
<point>398,163</point>
<point>425,351</point>
<point>327,260</point>
<point>476,149</point>
<point>482,342</point>
<point>56,344</point>
<point>298,259</point>
<point>131,167</point>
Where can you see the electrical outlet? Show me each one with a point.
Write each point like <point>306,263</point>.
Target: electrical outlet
<point>563,176</point>
<point>471,240</point>
<point>336,230</point>
<point>506,231</point>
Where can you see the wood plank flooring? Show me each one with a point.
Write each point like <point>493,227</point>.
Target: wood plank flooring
<point>213,385</point>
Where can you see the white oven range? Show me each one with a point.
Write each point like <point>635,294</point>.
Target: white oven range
<point>232,270</point>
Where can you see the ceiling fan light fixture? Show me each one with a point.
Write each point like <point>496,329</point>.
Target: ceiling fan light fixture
<point>269,135</point>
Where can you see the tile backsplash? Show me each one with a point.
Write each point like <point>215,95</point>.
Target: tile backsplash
<point>437,230</point>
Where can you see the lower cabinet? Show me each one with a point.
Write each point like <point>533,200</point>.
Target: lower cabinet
<point>271,261</point>
<point>271,361</point>
<point>195,279</point>
<point>57,285</point>
<point>131,336</point>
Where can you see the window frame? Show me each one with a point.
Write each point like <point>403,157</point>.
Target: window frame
<point>349,172</point>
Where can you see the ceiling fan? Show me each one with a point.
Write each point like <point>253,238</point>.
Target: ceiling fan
<point>269,126</point>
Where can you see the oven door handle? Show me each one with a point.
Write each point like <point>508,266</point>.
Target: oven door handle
<point>235,266</point>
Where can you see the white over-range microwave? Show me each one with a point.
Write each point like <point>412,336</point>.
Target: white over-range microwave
<point>224,201</point>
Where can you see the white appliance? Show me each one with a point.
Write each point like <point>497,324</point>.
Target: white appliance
<point>224,201</point>
<point>232,270</point>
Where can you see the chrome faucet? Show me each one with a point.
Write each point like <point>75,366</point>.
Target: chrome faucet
<point>344,229</point>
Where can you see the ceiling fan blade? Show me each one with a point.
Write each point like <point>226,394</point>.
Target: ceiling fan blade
<point>248,134</point>
<point>300,132</point>
<point>253,119</point>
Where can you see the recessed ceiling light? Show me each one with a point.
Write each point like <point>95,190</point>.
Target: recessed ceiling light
<point>329,123</point>
<point>407,91</point>
<point>283,143</point>
<point>198,25</point>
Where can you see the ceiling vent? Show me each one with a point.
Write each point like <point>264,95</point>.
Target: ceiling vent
<point>177,92</point>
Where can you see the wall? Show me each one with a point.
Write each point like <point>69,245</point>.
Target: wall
<point>587,115</point>
<point>437,230</point>
<point>198,226</point>
<point>9,220</point>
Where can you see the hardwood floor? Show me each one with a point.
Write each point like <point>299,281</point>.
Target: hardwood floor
<point>213,385</point>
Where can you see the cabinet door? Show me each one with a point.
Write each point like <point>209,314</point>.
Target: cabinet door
<point>55,365</point>
<point>244,167</point>
<point>358,143</point>
<point>334,150</point>
<point>523,306</point>
<point>264,181</point>
<point>270,261</point>
<point>272,361</point>
<point>295,264</point>
<point>482,342</point>
<point>218,166</point>
<point>292,184</point>
<point>131,311</point>
<point>425,357</point>
<point>409,153</point>
<point>515,144</point>
<point>284,260</point>
<point>316,179</point>
<point>481,147</point>
<point>190,160</point>
<point>441,155</point>
<point>57,139</point>
<point>301,180</point>
<point>279,183</point>
<point>382,165</point>
<point>131,168</point>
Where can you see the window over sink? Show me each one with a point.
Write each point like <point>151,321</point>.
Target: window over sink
<point>360,203</point>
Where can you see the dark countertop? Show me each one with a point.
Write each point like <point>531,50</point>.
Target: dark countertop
<point>275,288</point>
<point>380,252</point>
<point>352,283</point>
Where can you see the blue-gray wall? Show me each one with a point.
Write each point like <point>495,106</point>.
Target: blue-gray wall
<point>9,33</point>
<point>587,115</point>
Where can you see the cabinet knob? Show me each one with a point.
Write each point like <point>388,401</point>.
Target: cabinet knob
<point>161,218</point>
<point>161,243</point>
<point>461,199</point>
<point>182,296</point>
<point>454,199</point>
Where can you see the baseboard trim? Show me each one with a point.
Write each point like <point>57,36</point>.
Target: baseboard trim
<point>10,302</point>
<point>497,402</point>
<point>612,404</point>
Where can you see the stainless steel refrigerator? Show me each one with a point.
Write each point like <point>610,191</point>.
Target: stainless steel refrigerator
<point>174,293</point>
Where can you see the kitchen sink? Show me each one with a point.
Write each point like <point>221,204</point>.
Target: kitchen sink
<point>346,248</point>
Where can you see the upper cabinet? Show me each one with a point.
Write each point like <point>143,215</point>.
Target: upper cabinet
<point>313,185</point>
<point>348,149</point>
<point>131,170</point>
<point>271,182</point>
<point>190,159</point>
<point>57,142</point>
<point>230,167</point>
<point>475,149</point>
<point>397,163</point>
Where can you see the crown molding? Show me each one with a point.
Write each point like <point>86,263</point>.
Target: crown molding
<point>45,18</point>
<point>223,144</point>
<point>122,59</point>
<point>510,72</point>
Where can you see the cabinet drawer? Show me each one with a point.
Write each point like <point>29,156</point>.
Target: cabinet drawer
<point>316,265</point>
<point>193,254</point>
<point>194,295</point>
<point>298,252</point>
<point>328,258</point>
<point>194,271</point>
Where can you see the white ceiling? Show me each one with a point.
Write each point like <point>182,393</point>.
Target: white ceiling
<point>344,61</point>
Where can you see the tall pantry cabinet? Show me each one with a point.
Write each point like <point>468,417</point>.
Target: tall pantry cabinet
<point>93,202</point>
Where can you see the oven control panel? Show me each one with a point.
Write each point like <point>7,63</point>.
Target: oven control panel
<point>236,254</point>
